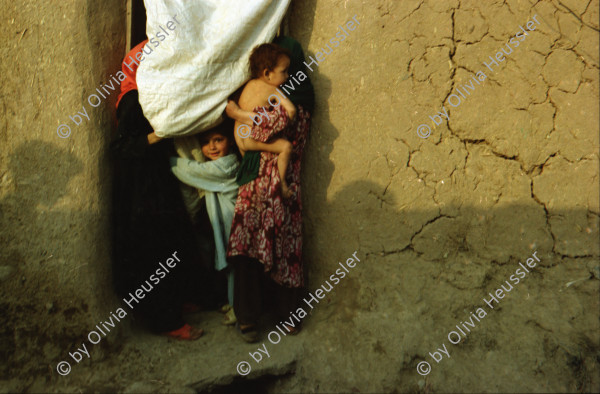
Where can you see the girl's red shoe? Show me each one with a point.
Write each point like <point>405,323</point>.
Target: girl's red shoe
<point>186,333</point>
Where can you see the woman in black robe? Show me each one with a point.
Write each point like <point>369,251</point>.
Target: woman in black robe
<point>150,222</point>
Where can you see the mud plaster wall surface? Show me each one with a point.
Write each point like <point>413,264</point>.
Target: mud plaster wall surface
<point>54,270</point>
<point>440,222</point>
<point>437,223</point>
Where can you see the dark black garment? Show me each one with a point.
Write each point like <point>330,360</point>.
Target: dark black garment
<point>253,289</point>
<point>150,222</point>
<point>214,289</point>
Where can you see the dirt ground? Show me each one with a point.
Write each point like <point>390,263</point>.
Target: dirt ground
<point>438,223</point>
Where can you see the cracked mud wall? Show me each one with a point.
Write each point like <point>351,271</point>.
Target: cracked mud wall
<point>55,280</point>
<point>443,221</point>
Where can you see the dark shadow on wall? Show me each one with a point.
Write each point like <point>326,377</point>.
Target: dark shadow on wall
<point>32,321</point>
<point>36,310</point>
<point>317,168</point>
<point>432,273</point>
<point>422,269</point>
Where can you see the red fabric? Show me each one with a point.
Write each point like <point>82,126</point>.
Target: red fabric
<point>129,83</point>
<point>265,226</point>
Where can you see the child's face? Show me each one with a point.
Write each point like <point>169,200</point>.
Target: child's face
<point>214,146</point>
<point>279,74</point>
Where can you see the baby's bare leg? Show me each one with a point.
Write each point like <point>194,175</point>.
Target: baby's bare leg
<point>280,146</point>
<point>282,164</point>
<point>283,160</point>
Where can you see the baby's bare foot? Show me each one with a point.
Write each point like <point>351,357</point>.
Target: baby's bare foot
<point>285,191</point>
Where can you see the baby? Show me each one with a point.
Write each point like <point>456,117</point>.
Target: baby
<point>269,65</point>
<point>217,177</point>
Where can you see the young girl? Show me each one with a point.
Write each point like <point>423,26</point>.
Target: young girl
<point>217,178</point>
<point>269,65</point>
<point>265,245</point>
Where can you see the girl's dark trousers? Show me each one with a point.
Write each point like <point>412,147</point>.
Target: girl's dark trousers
<point>253,289</point>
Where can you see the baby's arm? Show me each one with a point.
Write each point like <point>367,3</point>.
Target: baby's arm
<point>242,117</point>
<point>236,113</point>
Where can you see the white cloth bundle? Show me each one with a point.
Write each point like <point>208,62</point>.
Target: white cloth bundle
<point>183,87</point>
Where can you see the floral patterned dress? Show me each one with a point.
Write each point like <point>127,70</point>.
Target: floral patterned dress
<point>266,226</point>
